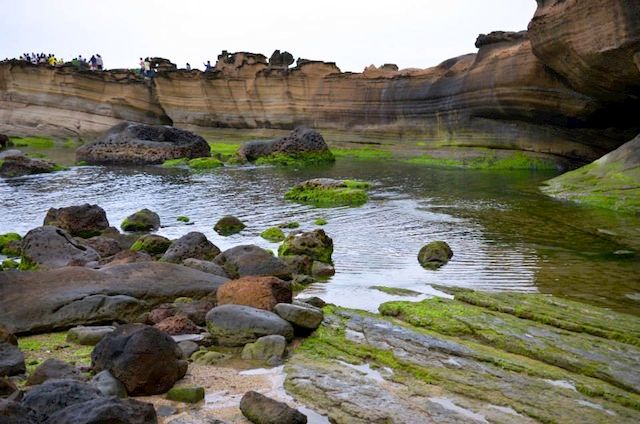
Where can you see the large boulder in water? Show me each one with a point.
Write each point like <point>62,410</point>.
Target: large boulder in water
<point>237,325</point>
<point>146,360</point>
<point>302,144</point>
<point>14,163</point>
<point>141,221</point>
<point>51,247</point>
<point>435,254</point>
<point>316,244</point>
<point>65,297</point>
<point>249,259</point>
<point>80,221</point>
<point>137,144</point>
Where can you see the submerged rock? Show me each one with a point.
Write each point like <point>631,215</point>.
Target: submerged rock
<point>142,221</point>
<point>435,254</point>
<point>14,163</point>
<point>51,247</point>
<point>228,225</point>
<point>246,260</point>
<point>80,221</point>
<point>263,410</point>
<point>237,325</point>
<point>257,292</point>
<point>193,245</point>
<point>146,360</point>
<point>135,144</point>
<point>302,145</point>
<point>329,193</point>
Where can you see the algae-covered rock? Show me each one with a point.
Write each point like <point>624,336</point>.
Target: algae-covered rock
<point>10,244</point>
<point>141,221</point>
<point>153,244</point>
<point>186,394</point>
<point>246,260</point>
<point>228,225</point>
<point>316,244</point>
<point>435,254</point>
<point>273,234</point>
<point>267,348</point>
<point>205,163</point>
<point>302,317</point>
<point>328,193</point>
<point>209,357</point>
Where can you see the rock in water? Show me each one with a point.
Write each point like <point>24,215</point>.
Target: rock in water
<point>257,292</point>
<point>315,244</point>
<point>260,409</point>
<point>248,260</point>
<point>435,254</point>
<point>136,144</point>
<point>301,145</point>
<point>51,247</point>
<point>146,360</point>
<point>14,163</point>
<point>11,360</point>
<point>143,220</point>
<point>106,410</point>
<point>80,221</point>
<point>193,245</point>
<point>153,244</point>
<point>237,325</point>
<point>228,225</point>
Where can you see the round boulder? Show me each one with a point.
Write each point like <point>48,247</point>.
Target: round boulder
<point>192,245</point>
<point>240,261</point>
<point>146,360</point>
<point>315,244</point>
<point>237,325</point>
<point>302,317</point>
<point>257,292</point>
<point>80,221</point>
<point>135,144</point>
<point>153,244</point>
<point>141,221</point>
<point>435,254</point>
<point>228,225</point>
<point>299,142</point>
<point>50,247</point>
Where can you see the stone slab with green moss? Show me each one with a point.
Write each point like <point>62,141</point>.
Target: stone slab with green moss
<point>10,244</point>
<point>38,142</point>
<point>153,244</point>
<point>273,234</point>
<point>186,394</point>
<point>327,193</point>
<point>443,357</point>
<point>490,160</point>
<point>612,182</point>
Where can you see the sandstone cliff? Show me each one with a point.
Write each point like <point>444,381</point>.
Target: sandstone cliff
<point>568,87</point>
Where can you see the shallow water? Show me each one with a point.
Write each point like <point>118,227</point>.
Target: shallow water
<point>505,234</point>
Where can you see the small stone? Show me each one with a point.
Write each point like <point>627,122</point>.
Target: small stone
<point>267,348</point>
<point>237,325</point>
<point>166,410</point>
<point>260,409</point>
<point>188,348</point>
<point>141,221</point>
<point>53,369</point>
<point>108,384</point>
<point>88,336</point>
<point>186,394</point>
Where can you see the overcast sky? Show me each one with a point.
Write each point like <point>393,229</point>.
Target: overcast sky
<point>354,34</point>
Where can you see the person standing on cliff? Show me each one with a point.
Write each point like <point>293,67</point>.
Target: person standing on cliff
<point>207,66</point>
<point>147,67</point>
<point>188,66</point>
<point>99,62</point>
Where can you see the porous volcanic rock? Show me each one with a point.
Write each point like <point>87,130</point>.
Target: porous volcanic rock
<point>302,317</point>
<point>146,360</point>
<point>50,247</point>
<point>316,244</point>
<point>176,325</point>
<point>55,395</point>
<point>301,141</point>
<point>244,260</point>
<point>80,221</point>
<point>70,296</point>
<point>53,369</point>
<point>237,325</point>
<point>257,292</point>
<point>14,163</point>
<point>228,225</point>
<point>435,254</point>
<point>136,144</point>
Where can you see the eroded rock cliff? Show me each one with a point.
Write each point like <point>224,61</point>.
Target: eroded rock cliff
<point>566,88</point>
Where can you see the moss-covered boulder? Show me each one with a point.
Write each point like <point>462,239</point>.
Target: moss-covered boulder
<point>205,163</point>
<point>316,244</point>
<point>328,193</point>
<point>153,244</point>
<point>10,244</point>
<point>183,218</point>
<point>273,234</point>
<point>141,221</point>
<point>302,147</point>
<point>228,225</point>
<point>435,254</point>
<point>186,394</point>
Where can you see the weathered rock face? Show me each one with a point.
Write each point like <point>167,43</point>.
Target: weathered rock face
<point>55,395</point>
<point>146,360</point>
<point>14,163</point>
<point>301,141</point>
<point>246,260</point>
<point>237,325</point>
<point>66,297</point>
<point>129,143</point>
<point>192,245</point>
<point>50,247</point>
<point>257,292</point>
<point>80,221</point>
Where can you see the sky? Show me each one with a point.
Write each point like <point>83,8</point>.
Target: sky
<point>354,34</point>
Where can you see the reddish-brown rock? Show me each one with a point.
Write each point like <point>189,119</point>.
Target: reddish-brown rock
<point>257,292</point>
<point>177,324</point>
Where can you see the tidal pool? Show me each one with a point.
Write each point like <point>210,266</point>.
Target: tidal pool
<point>504,233</point>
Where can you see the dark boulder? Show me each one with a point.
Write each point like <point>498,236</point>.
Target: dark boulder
<point>15,413</point>
<point>435,254</point>
<point>54,369</point>
<point>244,260</point>
<point>301,141</point>
<point>237,325</point>
<point>193,245</point>
<point>55,395</point>
<point>11,360</point>
<point>260,409</point>
<point>14,163</point>
<point>142,221</point>
<point>228,225</point>
<point>105,410</point>
<point>137,144</point>
<point>146,360</point>
<point>153,244</point>
<point>80,221</point>
<point>50,247</point>
<point>281,59</point>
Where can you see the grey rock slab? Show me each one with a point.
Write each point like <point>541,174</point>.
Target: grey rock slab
<point>305,317</point>
<point>89,336</point>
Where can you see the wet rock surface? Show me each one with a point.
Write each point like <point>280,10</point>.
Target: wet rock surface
<point>135,144</point>
<point>193,245</point>
<point>237,325</point>
<point>142,221</point>
<point>245,260</point>
<point>50,247</point>
<point>80,221</point>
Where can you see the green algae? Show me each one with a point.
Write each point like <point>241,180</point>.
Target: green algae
<point>37,142</point>
<point>175,163</point>
<point>290,225</point>
<point>225,149</point>
<point>301,160</point>
<point>273,234</point>
<point>183,218</point>
<point>366,153</point>
<point>152,244</point>
<point>41,347</point>
<point>6,247</point>
<point>320,221</point>
<point>516,161</point>
<point>186,394</point>
<point>396,291</point>
<point>353,194</point>
<point>205,163</point>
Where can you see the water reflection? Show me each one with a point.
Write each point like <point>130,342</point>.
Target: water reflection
<point>504,234</point>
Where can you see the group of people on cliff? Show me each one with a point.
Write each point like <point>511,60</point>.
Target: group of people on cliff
<point>95,63</point>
